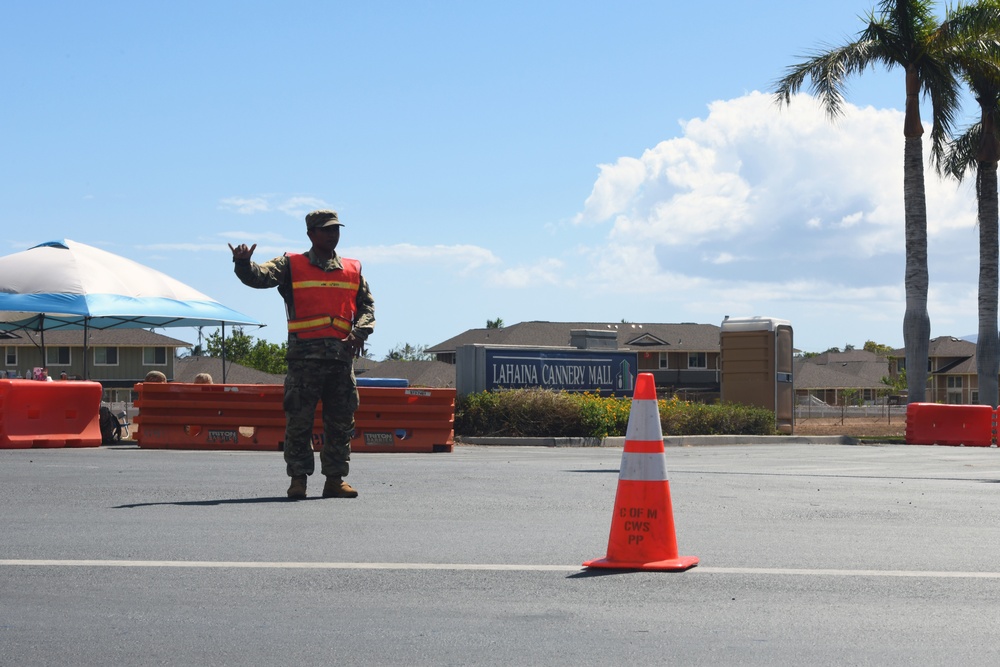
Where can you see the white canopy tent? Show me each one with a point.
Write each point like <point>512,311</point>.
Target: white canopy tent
<point>69,285</point>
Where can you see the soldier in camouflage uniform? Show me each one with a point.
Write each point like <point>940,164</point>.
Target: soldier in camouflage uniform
<point>336,314</point>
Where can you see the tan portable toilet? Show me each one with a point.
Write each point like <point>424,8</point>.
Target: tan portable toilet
<point>757,366</point>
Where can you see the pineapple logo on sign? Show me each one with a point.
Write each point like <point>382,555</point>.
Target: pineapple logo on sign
<point>625,379</point>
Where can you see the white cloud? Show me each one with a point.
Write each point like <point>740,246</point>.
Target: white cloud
<point>461,258</point>
<point>751,172</point>
<point>294,206</point>
<point>297,207</point>
<point>780,212</point>
<point>545,272</point>
<point>616,186</point>
<point>722,258</point>
<point>245,205</point>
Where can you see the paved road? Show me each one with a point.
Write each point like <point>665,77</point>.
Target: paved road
<point>810,554</point>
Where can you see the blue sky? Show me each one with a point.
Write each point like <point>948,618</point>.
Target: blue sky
<point>564,161</point>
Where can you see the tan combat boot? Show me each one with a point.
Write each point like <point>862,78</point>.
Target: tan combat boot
<point>336,487</point>
<point>297,489</point>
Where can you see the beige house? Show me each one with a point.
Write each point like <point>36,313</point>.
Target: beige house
<point>833,377</point>
<point>952,376</point>
<point>117,358</point>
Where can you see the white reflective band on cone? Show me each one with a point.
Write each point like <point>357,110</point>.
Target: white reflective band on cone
<point>643,467</point>
<point>644,421</point>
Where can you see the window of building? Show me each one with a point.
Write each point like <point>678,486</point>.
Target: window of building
<point>955,390</point>
<point>10,356</point>
<point>664,360</point>
<point>105,356</point>
<point>57,356</point>
<point>697,360</point>
<point>154,356</point>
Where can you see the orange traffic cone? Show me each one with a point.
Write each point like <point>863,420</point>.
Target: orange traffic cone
<point>642,527</point>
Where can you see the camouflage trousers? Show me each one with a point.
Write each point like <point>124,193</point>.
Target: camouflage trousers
<point>332,383</point>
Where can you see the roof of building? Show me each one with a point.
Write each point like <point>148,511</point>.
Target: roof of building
<point>417,373</point>
<point>945,346</point>
<point>185,368</point>
<point>686,337</point>
<point>99,337</point>
<point>853,369</point>
<point>842,357</point>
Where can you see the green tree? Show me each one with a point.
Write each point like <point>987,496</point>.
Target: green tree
<point>878,348</point>
<point>979,149</point>
<point>849,396</point>
<point>895,383</point>
<point>407,352</point>
<point>236,346</point>
<point>244,349</point>
<point>494,324</point>
<point>268,357</point>
<point>903,34</point>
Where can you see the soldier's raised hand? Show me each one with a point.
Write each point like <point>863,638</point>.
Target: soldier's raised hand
<point>242,252</point>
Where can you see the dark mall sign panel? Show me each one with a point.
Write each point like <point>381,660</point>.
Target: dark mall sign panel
<point>605,373</point>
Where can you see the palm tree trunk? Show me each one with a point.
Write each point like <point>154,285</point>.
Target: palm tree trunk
<point>916,321</point>
<point>987,344</point>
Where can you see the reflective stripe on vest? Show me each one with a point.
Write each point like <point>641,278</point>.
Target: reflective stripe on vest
<point>325,302</point>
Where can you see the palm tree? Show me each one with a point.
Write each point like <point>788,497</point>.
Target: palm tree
<point>904,34</point>
<point>979,147</point>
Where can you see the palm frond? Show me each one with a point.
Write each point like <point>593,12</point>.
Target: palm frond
<point>938,82</point>
<point>960,157</point>
<point>828,72</point>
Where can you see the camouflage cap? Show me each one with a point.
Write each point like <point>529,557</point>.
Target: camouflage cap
<point>323,218</point>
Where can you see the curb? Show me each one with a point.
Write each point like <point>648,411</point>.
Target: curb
<point>670,441</point>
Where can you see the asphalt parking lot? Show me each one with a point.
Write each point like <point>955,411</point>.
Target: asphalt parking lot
<point>820,554</point>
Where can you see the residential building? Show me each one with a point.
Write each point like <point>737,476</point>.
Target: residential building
<point>833,377</point>
<point>117,358</point>
<point>952,376</point>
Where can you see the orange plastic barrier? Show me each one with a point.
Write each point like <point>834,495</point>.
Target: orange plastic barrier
<point>252,417</point>
<point>934,424</point>
<point>49,414</point>
<point>402,419</point>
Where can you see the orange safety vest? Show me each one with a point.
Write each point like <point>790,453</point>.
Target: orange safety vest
<point>325,302</point>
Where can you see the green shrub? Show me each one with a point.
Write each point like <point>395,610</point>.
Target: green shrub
<point>518,413</point>
<point>543,413</point>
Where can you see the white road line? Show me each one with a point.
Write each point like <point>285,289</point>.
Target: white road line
<point>292,565</point>
<point>930,574</point>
